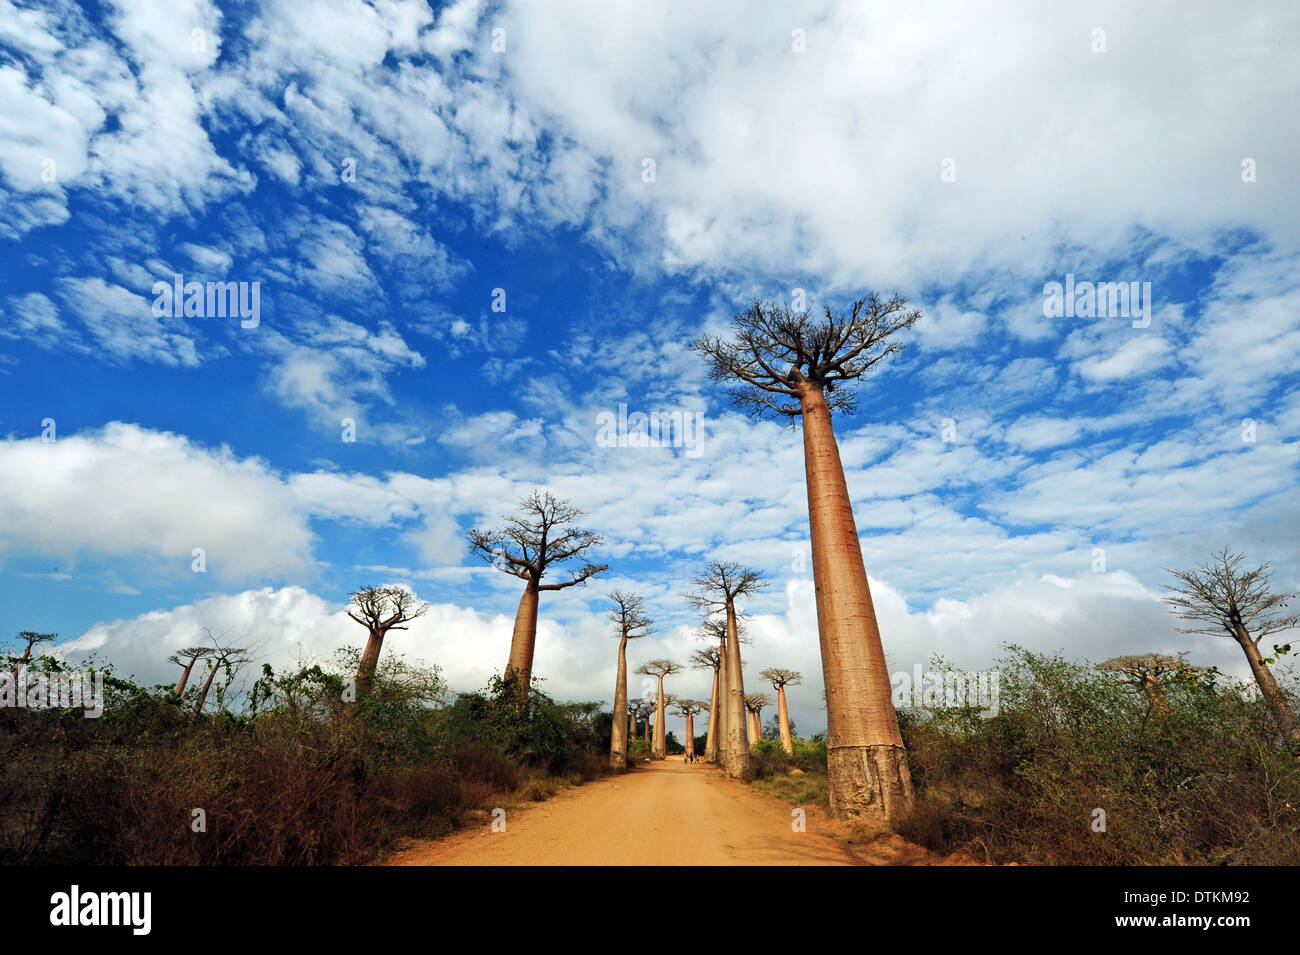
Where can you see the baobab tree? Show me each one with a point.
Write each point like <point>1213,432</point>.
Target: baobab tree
<point>754,703</point>
<point>780,679</point>
<point>222,659</point>
<point>30,639</point>
<point>688,709</point>
<point>711,657</point>
<point>716,591</point>
<point>785,363</point>
<point>645,710</point>
<point>659,669</point>
<point>540,536</point>
<point>1152,674</point>
<point>630,622</point>
<point>1223,600</point>
<point>185,659</point>
<point>379,610</point>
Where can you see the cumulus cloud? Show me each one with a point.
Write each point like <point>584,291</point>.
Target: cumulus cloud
<point>125,492</point>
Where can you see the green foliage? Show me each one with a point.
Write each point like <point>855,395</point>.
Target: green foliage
<point>1207,782</point>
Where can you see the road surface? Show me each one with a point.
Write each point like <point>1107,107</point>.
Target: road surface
<point>666,813</point>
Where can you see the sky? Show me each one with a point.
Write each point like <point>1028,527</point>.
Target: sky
<point>464,232</point>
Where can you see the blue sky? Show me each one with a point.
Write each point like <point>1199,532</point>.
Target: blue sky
<point>827,148</point>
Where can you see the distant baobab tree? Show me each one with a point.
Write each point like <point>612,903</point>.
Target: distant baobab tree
<point>185,659</point>
<point>1152,674</point>
<point>660,669</point>
<point>1223,600</point>
<point>754,703</point>
<point>711,657</point>
<point>221,659</point>
<point>688,709</point>
<point>716,591</point>
<point>379,610</point>
<point>533,541</point>
<point>29,638</point>
<point>783,362</point>
<point>780,679</point>
<point>644,712</point>
<point>630,622</point>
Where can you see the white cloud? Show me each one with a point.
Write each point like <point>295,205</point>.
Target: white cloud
<point>124,492</point>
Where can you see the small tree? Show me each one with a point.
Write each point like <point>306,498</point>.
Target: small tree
<point>717,591</point>
<point>539,537</point>
<point>30,639</point>
<point>1222,600</point>
<point>780,679</point>
<point>630,622</point>
<point>754,703</point>
<point>379,610</point>
<point>1152,674</point>
<point>659,669</point>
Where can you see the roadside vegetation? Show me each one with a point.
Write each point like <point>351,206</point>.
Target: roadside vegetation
<point>297,775</point>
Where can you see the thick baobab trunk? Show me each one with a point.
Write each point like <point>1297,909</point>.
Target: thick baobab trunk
<point>866,760</point>
<point>690,734</point>
<point>783,721</point>
<point>618,726</point>
<point>737,751</point>
<point>755,730</point>
<point>711,734</point>
<point>369,663</point>
<point>1273,698</point>
<point>524,640</point>
<point>648,730</point>
<point>203,694</point>
<point>185,676</point>
<point>716,741</point>
<point>660,749</point>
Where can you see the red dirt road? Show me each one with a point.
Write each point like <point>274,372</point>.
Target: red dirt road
<point>667,813</point>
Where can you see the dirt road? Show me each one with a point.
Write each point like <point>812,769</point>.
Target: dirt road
<point>667,813</point>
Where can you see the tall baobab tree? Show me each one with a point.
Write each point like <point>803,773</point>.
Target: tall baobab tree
<point>785,363</point>
<point>716,591</point>
<point>379,610</point>
<point>540,536</point>
<point>754,703</point>
<point>660,669</point>
<point>688,709</point>
<point>30,639</point>
<point>780,679</point>
<point>711,658</point>
<point>1223,600</point>
<point>630,622</point>
<point>185,659</point>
